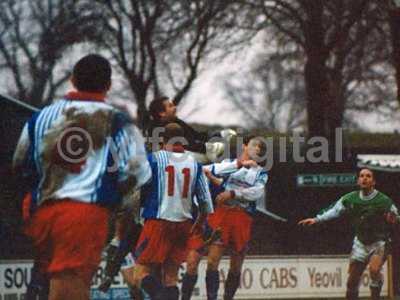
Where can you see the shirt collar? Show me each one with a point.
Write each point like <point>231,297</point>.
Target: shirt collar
<point>174,148</point>
<point>370,196</point>
<point>85,96</point>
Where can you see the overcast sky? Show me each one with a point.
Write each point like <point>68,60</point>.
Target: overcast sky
<point>207,95</point>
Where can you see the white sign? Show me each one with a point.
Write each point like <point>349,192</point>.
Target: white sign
<point>271,278</point>
<point>262,278</point>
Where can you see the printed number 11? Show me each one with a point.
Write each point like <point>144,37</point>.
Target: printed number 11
<point>171,181</point>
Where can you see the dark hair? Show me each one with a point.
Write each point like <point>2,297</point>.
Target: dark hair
<point>92,73</point>
<point>368,169</point>
<point>263,147</point>
<point>247,138</point>
<point>172,130</point>
<point>157,106</point>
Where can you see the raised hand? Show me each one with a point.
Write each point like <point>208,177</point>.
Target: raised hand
<point>391,218</point>
<point>223,197</point>
<point>307,222</point>
<point>248,163</point>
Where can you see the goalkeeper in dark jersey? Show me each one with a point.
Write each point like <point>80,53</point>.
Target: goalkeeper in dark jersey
<point>370,212</point>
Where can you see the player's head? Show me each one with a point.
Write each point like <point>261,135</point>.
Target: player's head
<point>173,134</point>
<point>366,179</point>
<point>163,109</point>
<point>92,73</point>
<point>254,148</point>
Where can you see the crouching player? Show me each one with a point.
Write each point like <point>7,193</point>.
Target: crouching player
<point>370,212</point>
<point>167,211</point>
<point>243,189</point>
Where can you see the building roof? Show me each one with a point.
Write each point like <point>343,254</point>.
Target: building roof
<point>379,162</point>
<point>18,103</point>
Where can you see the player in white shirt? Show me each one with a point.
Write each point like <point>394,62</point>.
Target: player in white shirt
<point>83,156</point>
<point>243,193</point>
<point>168,204</point>
<point>199,242</point>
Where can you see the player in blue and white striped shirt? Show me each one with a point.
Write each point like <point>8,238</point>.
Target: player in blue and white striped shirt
<point>168,203</point>
<point>83,157</point>
<point>243,193</point>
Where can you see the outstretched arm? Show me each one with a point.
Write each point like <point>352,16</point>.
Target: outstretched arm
<point>213,179</point>
<point>332,213</point>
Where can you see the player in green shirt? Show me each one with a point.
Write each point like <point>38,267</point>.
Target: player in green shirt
<point>371,213</point>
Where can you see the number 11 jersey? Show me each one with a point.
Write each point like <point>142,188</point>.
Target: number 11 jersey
<point>176,179</point>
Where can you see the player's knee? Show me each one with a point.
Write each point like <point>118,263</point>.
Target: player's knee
<point>170,279</point>
<point>129,277</point>
<point>212,263</point>
<point>138,275</point>
<point>235,269</point>
<point>192,263</point>
<point>191,268</point>
<point>236,263</point>
<point>375,273</point>
<point>353,282</point>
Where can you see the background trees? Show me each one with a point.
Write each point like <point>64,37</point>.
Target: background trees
<point>34,37</point>
<point>321,60</point>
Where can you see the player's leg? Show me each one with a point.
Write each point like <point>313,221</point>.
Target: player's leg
<point>241,224</point>
<point>128,274</point>
<point>215,253</point>
<point>190,278</point>
<point>376,262</point>
<point>69,237</point>
<point>153,248</point>
<point>356,269</point>
<point>68,285</point>
<point>358,263</point>
<point>170,281</point>
<point>144,278</point>
<point>38,287</point>
<point>233,279</point>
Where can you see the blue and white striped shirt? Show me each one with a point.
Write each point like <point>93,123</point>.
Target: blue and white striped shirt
<point>87,151</point>
<point>247,183</point>
<point>177,179</point>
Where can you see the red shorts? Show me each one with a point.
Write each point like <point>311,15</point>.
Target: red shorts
<point>195,242</point>
<point>235,224</point>
<point>163,240</point>
<point>69,236</point>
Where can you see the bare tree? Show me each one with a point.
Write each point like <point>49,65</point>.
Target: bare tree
<point>271,93</point>
<point>344,44</point>
<point>34,35</point>
<point>160,45</point>
<point>393,8</point>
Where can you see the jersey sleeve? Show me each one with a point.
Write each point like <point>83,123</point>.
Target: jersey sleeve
<point>255,193</point>
<point>333,212</point>
<point>202,191</point>
<point>132,158</point>
<point>223,168</point>
<point>395,211</point>
<point>21,151</point>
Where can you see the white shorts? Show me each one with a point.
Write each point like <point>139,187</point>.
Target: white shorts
<point>363,253</point>
<point>129,262</point>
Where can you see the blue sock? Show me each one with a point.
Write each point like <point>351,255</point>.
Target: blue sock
<point>38,287</point>
<point>188,283</point>
<point>171,293</point>
<point>231,285</point>
<point>212,284</point>
<point>153,287</point>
